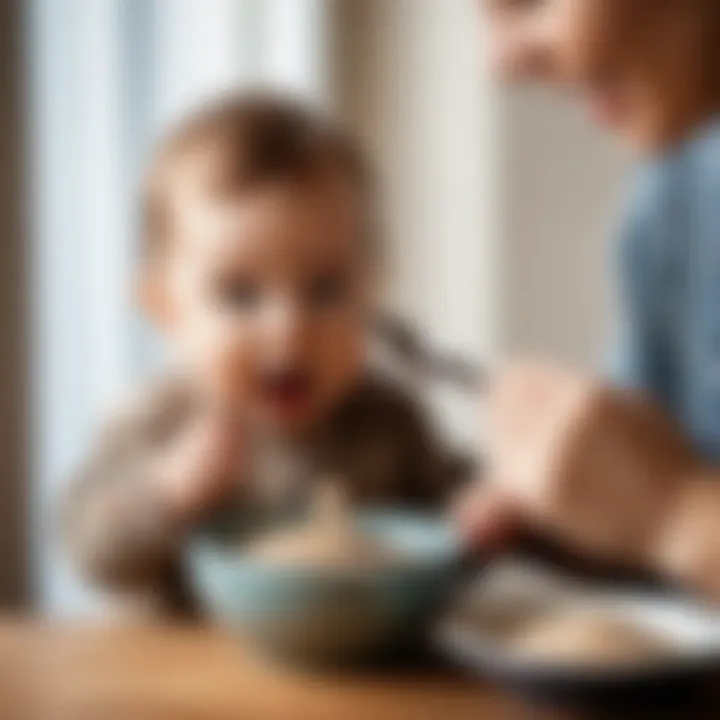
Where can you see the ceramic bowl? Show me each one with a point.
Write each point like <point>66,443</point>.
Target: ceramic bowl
<point>327,614</point>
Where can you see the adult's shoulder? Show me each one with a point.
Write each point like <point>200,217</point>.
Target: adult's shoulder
<point>701,176</point>
<point>684,178</point>
<point>678,176</point>
<point>702,151</point>
<point>673,204</point>
<point>656,189</point>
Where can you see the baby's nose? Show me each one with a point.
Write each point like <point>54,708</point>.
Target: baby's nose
<point>284,323</point>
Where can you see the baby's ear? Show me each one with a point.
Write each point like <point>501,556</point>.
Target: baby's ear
<point>152,297</point>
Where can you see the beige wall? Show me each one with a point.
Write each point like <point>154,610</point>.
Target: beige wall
<point>410,87</point>
<point>564,183</point>
<point>499,203</point>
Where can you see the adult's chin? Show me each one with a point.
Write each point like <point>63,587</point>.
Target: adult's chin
<point>608,110</point>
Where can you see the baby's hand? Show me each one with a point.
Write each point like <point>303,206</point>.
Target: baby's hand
<point>201,467</point>
<point>592,466</point>
<point>488,519</point>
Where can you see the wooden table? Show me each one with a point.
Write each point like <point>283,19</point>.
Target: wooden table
<point>155,673</point>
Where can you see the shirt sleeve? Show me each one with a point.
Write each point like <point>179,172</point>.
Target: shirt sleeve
<point>119,533</point>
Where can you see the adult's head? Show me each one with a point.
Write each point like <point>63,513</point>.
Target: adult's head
<point>648,68</point>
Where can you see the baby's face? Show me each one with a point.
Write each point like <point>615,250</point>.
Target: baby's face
<point>268,297</point>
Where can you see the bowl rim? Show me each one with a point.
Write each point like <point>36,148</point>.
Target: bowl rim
<point>209,547</point>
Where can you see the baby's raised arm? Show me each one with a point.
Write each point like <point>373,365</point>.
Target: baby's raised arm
<point>151,475</point>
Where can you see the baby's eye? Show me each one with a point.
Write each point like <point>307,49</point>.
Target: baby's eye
<point>327,290</point>
<point>239,294</point>
<point>515,5</point>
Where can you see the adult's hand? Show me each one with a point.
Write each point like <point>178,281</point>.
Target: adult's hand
<point>597,468</point>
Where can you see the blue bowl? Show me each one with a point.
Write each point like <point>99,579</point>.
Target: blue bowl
<point>331,615</point>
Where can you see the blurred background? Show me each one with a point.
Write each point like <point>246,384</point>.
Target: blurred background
<point>497,204</point>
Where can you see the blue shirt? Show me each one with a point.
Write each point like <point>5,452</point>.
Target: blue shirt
<point>670,280</point>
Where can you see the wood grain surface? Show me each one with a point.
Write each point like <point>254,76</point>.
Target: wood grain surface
<point>52,672</point>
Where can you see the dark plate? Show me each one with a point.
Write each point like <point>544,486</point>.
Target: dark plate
<point>660,691</point>
<point>685,685</point>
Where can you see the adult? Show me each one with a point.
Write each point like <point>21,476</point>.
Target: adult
<point>626,469</point>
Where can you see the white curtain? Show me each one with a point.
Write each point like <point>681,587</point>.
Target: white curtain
<point>107,77</point>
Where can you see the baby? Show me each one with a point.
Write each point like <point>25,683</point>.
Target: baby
<point>260,270</point>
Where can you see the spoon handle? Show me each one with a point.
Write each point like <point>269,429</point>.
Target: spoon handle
<point>405,341</point>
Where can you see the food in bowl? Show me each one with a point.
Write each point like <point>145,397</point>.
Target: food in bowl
<point>589,637</point>
<point>331,539</point>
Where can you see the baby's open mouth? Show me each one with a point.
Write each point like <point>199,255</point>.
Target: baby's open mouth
<point>286,389</point>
